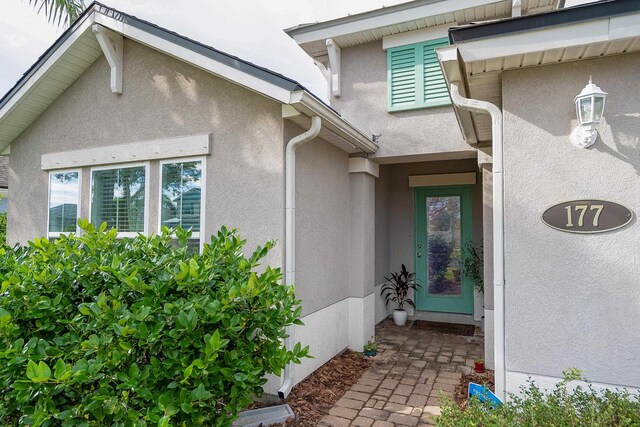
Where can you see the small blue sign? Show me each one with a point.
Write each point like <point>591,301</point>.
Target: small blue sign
<point>484,395</point>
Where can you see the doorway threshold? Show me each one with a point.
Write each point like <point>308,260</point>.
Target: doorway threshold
<point>435,316</point>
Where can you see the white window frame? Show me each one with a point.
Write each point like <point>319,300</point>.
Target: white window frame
<point>55,234</point>
<point>203,190</point>
<point>146,194</point>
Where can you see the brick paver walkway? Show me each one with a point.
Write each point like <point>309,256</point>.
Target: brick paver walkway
<point>403,385</point>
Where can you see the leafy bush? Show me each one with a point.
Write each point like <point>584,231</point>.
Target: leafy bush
<point>559,407</point>
<point>3,228</point>
<point>96,330</point>
<point>473,263</point>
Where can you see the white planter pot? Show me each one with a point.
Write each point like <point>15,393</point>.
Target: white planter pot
<point>400,317</point>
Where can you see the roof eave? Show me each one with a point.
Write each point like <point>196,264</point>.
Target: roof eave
<point>310,105</point>
<point>243,73</point>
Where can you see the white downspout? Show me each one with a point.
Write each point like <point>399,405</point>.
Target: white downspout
<point>290,230</point>
<point>498,227</point>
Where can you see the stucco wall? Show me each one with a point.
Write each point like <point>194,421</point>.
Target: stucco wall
<point>162,97</point>
<point>571,300</point>
<point>382,258</point>
<point>322,223</point>
<point>364,101</point>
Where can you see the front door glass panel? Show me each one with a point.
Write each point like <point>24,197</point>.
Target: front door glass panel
<point>444,239</point>
<point>443,228</point>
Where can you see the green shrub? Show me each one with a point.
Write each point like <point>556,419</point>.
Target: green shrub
<point>560,407</point>
<point>96,330</point>
<point>3,228</point>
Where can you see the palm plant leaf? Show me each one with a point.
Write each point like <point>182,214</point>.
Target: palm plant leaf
<point>56,10</point>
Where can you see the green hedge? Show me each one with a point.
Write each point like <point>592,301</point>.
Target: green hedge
<point>96,330</point>
<point>3,228</point>
<point>561,407</point>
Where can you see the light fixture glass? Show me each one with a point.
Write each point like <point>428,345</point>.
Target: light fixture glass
<point>589,110</point>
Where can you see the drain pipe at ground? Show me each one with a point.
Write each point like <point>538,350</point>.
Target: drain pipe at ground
<point>290,231</point>
<point>498,227</point>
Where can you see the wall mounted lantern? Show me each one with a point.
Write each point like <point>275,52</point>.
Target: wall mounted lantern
<point>589,108</point>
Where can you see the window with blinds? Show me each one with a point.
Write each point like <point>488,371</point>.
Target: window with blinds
<point>64,199</point>
<point>118,198</point>
<point>414,76</point>
<point>182,199</point>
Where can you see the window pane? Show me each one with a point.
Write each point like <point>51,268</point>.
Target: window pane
<point>64,195</point>
<point>585,110</point>
<point>444,237</point>
<point>117,198</point>
<point>598,108</point>
<point>182,195</point>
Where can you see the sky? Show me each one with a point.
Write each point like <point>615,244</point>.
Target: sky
<point>250,29</point>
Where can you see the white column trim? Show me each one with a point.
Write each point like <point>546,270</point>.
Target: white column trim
<point>363,165</point>
<point>485,156</point>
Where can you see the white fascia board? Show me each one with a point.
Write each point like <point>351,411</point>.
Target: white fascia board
<point>303,101</point>
<point>391,18</point>
<point>578,34</point>
<point>250,82</point>
<point>42,71</point>
<point>416,36</point>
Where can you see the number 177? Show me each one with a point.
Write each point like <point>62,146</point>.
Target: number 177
<point>583,209</point>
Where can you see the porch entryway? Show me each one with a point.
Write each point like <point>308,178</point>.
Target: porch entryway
<point>403,385</point>
<point>429,215</point>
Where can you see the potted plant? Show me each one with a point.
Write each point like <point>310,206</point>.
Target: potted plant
<point>478,366</point>
<point>473,264</point>
<point>395,289</point>
<point>370,348</point>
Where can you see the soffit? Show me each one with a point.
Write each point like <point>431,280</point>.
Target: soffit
<point>84,51</point>
<point>484,76</point>
<point>479,61</point>
<point>491,10</point>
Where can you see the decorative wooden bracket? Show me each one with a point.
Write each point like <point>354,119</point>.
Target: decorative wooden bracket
<point>516,8</point>
<point>111,44</point>
<point>334,52</point>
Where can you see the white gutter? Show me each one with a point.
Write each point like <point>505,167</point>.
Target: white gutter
<point>290,231</point>
<point>332,121</point>
<point>498,227</point>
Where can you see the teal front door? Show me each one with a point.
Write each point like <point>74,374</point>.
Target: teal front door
<point>443,228</point>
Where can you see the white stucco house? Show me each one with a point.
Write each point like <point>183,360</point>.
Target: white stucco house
<point>466,118</point>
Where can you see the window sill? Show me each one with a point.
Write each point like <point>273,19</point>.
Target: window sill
<point>432,104</point>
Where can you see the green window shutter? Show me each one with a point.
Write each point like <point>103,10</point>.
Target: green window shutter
<point>402,70</point>
<point>415,78</point>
